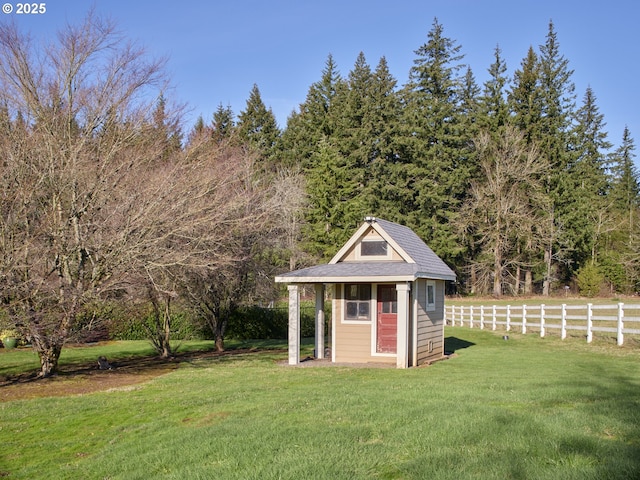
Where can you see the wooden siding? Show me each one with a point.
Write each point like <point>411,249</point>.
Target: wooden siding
<point>430,324</point>
<point>353,339</point>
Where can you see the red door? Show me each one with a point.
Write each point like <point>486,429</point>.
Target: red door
<point>387,331</point>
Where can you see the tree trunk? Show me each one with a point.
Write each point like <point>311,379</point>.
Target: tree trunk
<point>474,280</point>
<point>219,334</point>
<point>166,330</point>
<point>49,360</point>
<point>546,284</point>
<point>497,269</point>
<point>528,282</point>
<point>497,277</point>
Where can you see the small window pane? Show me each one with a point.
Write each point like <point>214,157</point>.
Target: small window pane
<point>373,248</point>
<point>430,295</point>
<point>363,310</point>
<point>352,309</point>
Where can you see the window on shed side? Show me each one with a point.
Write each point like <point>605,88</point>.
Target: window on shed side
<point>430,296</point>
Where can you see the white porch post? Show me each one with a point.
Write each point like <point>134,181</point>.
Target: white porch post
<point>294,324</point>
<point>402,348</point>
<point>319,320</point>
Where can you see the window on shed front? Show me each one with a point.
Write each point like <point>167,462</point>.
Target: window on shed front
<point>373,248</point>
<point>357,297</point>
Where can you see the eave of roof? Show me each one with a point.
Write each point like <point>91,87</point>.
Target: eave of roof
<point>360,272</point>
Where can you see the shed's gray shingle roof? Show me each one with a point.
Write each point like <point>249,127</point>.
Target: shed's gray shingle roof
<point>410,242</point>
<point>427,263</point>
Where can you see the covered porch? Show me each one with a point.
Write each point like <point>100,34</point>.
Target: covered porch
<point>400,355</point>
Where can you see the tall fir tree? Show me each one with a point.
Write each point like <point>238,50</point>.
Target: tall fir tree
<point>334,206</point>
<point>582,193</point>
<point>625,183</point>
<point>493,101</point>
<point>257,127</point>
<point>625,198</point>
<point>223,126</point>
<point>436,151</point>
<point>315,119</point>
<point>558,103</point>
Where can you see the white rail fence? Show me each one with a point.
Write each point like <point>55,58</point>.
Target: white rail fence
<point>615,318</point>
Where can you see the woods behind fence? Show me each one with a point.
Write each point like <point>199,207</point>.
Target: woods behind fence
<point>619,319</point>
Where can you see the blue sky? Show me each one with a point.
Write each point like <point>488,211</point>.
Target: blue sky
<point>218,50</point>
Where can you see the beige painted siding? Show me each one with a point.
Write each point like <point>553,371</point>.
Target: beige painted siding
<point>353,339</point>
<point>430,333</point>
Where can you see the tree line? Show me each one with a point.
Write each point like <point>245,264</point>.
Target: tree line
<point>105,197</point>
<point>514,183</point>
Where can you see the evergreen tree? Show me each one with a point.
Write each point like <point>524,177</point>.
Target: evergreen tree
<point>625,191</point>
<point>525,98</point>
<point>435,149</point>
<point>167,129</point>
<point>493,102</point>
<point>366,126</point>
<point>624,243</point>
<point>315,120</point>
<point>385,115</point>
<point>584,185</point>
<point>223,125</point>
<point>558,103</point>
<point>257,126</point>
<point>334,206</point>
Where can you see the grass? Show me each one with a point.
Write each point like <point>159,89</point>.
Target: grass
<point>526,408</point>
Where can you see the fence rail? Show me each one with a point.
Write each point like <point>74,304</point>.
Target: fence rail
<point>615,318</point>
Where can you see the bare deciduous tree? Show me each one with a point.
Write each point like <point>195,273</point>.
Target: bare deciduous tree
<point>74,113</point>
<point>506,211</point>
<point>93,202</point>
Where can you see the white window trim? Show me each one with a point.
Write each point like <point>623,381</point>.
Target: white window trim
<point>372,309</point>
<point>388,256</point>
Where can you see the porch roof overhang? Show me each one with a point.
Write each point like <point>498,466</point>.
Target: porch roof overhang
<point>370,272</point>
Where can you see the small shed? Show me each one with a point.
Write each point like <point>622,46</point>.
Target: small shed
<point>388,291</point>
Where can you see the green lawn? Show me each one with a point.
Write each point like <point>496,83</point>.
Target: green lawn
<point>526,408</point>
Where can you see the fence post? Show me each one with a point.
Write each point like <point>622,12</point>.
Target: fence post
<point>461,316</point>
<point>563,333</point>
<point>508,317</point>
<point>542,320</point>
<point>524,319</point>
<point>589,323</point>
<point>620,335</point>
<point>493,326</point>
<point>471,316</point>
<point>481,317</point>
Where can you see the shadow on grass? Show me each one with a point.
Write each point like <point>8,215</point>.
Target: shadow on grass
<point>453,344</point>
<point>128,363</point>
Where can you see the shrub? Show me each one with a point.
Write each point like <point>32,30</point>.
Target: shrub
<point>589,280</point>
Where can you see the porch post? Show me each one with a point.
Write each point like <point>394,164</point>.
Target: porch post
<point>402,348</point>
<point>319,320</point>
<point>294,324</point>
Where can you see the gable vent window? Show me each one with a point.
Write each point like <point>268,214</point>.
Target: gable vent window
<point>373,248</point>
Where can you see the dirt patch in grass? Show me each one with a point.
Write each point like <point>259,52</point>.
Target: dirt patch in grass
<point>88,378</point>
